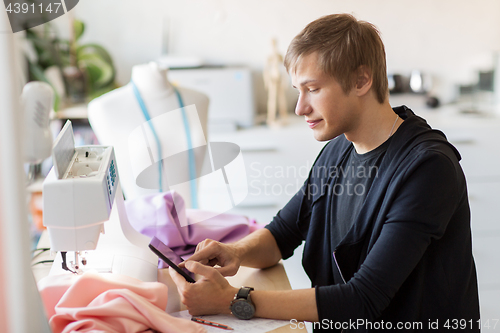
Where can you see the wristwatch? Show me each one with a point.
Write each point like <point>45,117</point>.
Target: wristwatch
<point>241,306</point>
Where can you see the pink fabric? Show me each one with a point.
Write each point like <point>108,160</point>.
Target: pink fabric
<point>156,215</point>
<point>108,303</point>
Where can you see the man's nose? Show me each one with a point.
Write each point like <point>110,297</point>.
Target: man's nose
<point>303,107</point>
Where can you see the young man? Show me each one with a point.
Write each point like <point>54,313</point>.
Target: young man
<point>384,212</point>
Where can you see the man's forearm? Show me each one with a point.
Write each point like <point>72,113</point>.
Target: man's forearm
<point>286,304</point>
<point>213,295</point>
<point>258,250</point>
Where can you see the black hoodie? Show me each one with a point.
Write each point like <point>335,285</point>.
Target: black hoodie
<point>407,260</point>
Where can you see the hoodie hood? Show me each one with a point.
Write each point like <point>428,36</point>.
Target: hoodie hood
<point>415,130</point>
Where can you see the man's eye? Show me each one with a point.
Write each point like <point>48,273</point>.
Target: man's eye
<point>313,90</point>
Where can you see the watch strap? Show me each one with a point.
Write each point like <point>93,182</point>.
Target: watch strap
<point>244,292</point>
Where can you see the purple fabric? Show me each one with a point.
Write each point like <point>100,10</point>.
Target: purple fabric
<point>156,215</point>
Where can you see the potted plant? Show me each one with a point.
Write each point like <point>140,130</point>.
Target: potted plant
<point>87,70</point>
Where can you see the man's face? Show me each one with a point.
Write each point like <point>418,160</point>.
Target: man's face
<point>328,111</point>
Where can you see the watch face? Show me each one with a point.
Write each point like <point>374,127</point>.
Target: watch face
<point>242,309</point>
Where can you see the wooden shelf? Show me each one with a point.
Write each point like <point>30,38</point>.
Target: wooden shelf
<point>78,111</point>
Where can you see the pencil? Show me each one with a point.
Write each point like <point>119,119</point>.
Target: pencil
<point>210,323</point>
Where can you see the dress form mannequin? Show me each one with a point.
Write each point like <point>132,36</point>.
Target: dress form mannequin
<point>117,114</point>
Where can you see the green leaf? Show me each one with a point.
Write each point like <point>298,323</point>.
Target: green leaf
<point>94,48</point>
<point>36,72</point>
<point>98,64</point>
<point>100,72</point>
<point>79,28</point>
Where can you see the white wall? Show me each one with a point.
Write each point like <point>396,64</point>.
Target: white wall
<point>449,39</point>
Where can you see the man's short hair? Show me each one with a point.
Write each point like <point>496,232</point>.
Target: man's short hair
<point>343,44</point>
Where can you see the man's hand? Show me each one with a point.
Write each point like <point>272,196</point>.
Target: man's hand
<point>211,253</point>
<point>211,294</point>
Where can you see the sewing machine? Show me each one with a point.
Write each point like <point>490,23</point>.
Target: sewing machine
<point>81,192</point>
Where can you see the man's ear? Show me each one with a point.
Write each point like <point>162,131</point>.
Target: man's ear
<point>364,80</point>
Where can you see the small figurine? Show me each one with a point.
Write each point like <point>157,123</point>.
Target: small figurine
<point>274,81</point>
